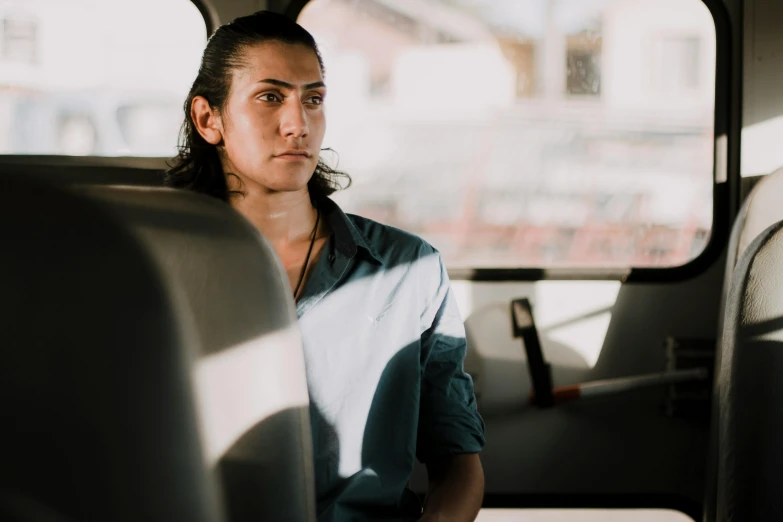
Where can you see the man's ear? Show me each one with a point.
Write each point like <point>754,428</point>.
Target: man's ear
<point>207,120</point>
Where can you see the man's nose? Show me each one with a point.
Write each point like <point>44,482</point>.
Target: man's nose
<point>294,120</point>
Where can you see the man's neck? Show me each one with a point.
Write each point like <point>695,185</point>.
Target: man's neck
<point>285,218</point>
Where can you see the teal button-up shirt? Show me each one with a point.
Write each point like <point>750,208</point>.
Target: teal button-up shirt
<point>384,347</point>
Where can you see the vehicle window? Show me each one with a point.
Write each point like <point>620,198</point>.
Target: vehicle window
<point>526,133</point>
<point>96,77</point>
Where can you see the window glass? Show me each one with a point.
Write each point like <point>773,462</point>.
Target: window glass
<point>96,77</point>
<point>526,133</point>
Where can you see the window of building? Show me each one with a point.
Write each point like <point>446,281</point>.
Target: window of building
<point>96,77</point>
<point>583,64</point>
<point>20,40</point>
<point>522,133</point>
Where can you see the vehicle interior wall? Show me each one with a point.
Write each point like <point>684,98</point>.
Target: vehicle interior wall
<point>622,450</point>
<point>762,107</point>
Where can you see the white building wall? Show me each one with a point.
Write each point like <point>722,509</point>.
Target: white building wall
<point>464,77</point>
<point>631,28</point>
<point>108,44</point>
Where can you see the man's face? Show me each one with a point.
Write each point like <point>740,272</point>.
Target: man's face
<point>273,122</point>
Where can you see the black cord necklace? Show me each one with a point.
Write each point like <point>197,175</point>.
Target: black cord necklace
<point>309,251</point>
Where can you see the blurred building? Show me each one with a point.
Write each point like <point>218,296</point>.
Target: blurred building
<point>573,132</point>
<point>95,77</point>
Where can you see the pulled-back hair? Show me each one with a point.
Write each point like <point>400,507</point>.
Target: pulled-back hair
<point>197,166</point>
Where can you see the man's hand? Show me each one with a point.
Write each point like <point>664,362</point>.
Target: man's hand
<point>456,489</point>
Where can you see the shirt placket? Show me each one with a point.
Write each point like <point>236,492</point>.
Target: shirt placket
<point>329,271</point>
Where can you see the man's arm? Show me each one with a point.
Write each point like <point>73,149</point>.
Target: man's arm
<point>456,489</point>
<point>451,431</point>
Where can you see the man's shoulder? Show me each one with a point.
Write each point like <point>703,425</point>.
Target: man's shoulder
<point>391,242</point>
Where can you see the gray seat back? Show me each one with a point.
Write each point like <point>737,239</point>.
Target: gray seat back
<point>250,374</point>
<point>150,362</point>
<point>98,419</point>
<point>750,422</point>
<point>760,210</point>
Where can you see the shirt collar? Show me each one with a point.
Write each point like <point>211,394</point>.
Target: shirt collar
<point>348,238</point>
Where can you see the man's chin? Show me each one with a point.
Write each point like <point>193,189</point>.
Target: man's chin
<point>286,182</point>
<point>288,187</point>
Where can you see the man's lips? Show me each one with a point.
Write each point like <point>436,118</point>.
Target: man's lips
<point>293,155</point>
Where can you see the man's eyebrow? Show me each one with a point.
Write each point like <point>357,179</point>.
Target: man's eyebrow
<point>286,85</point>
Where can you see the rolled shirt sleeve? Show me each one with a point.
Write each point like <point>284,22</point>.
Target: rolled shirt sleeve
<point>449,422</point>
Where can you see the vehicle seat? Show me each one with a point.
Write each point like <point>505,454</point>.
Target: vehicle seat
<point>760,210</point>
<point>750,422</point>
<point>151,367</point>
<point>98,418</point>
<point>251,373</point>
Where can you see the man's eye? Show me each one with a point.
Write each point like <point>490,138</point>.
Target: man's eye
<point>270,97</point>
<point>315,100</point>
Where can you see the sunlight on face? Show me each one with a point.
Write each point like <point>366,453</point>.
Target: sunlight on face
<point>273,122</point>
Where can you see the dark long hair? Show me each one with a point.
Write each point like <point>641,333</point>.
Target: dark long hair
<point>197,166</point>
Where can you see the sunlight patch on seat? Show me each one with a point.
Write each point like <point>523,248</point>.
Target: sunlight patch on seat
<point>582,515</point>
<point>241,386</point>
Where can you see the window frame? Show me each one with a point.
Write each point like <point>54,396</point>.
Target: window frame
<point>725,173</point>
<point>208,14</point>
